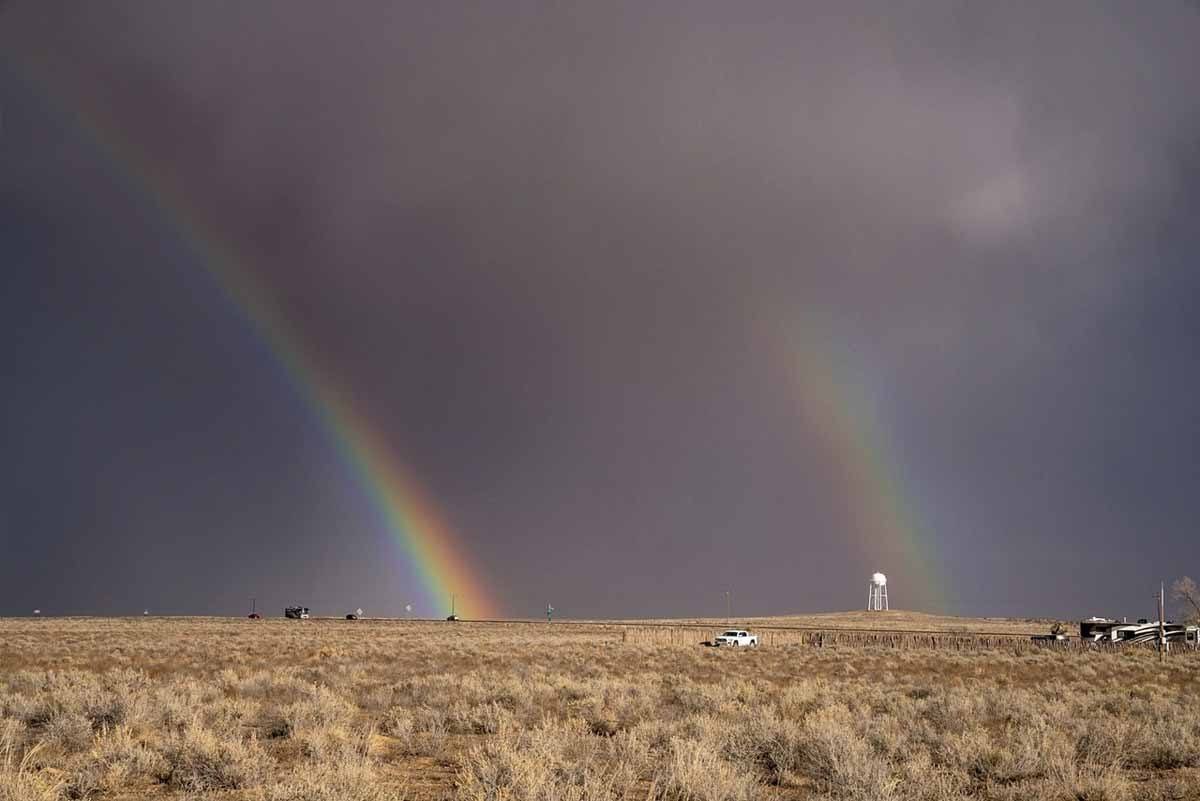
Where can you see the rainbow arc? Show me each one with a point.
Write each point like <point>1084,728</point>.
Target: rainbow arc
<point>407,513</point>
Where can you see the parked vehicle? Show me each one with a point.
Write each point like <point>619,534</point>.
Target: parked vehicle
<point>1143,631</point>
<point>736,638</point>
<point>296,612</point>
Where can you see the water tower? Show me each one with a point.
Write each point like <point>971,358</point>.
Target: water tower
<point>877,600</point>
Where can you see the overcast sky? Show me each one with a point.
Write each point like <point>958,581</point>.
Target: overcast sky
<point>658,300</point>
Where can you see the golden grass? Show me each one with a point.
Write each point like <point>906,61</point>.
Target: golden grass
<point>277,710</point>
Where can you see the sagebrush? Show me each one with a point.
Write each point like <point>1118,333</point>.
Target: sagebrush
<point>339,710</point>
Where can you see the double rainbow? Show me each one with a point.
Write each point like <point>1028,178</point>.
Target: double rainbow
<point>883,521</point>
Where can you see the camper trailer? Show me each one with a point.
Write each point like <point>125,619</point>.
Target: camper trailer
<point>296,612</point>
<point>1106,630</point>
<point>1096,628</point>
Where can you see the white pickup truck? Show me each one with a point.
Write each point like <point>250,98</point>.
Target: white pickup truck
<point>736,637</point>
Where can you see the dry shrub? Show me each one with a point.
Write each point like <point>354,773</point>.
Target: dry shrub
<point>397,722</point>
<point>797,699</point>
<point>429,728</point>
<point>840,760</point>
<point>115,760</point>
<point>19,780</point>
<point>353,780</point>
<point>328,744</point>
<point>684,695</point>
<point>487,718</point>
<point>335,744</point>
<point>921,780</point>
<point>1073,781</point>
<point>748,737</point>
<point>1104,739</point>
<point>777,746</point>
<point>322,709</point>
<point>1004,757</point>
<point>1166,742</point>
<point>69,732</point>
<point>696,772</point>
<point>322,722</point>
<point>431,720</point>
<point>553,762</point>
<point>277,686</point>
<point>373,698</point>
<point>201,760</point>
<point>104,700</point>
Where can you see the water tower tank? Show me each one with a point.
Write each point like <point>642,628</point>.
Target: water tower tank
<point>877,600</point>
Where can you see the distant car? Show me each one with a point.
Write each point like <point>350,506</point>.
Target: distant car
<point>452,618</point>
<point>254,616</point>
<point>351,616</point>
<point>737,638</point>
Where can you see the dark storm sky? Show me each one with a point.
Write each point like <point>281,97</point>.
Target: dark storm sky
<point>568,258</point>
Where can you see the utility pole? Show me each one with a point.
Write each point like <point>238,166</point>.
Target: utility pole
<point>1162,631</point>
<point>728,607</point>
<point>253,605</point>
<point>549,612</point>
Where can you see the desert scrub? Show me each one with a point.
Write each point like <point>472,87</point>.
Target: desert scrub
<point>200,759</point>
<point>319,708</point>
<point>694,771</point>
<point>354,780</point>
<point>19,778</point>
<point>116,760</point>
<point>67,732</point>
<point>834,753</point>
<point>210,711</point>
<point>553,761</point>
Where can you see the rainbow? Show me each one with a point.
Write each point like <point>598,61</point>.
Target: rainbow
<point>882,513</point>
<point>410,518</point>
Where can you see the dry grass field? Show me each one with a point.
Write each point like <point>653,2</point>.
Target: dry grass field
<point>370,710</point>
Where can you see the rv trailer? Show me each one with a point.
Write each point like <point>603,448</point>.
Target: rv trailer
<point>1106,630</point>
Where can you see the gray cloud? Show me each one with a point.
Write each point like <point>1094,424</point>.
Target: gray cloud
<point>563,253</point>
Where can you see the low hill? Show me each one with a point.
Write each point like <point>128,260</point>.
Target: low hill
<point>896,620</point>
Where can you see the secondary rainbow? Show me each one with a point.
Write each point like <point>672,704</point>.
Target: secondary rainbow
<point>883,519</point>
<point>410,518</point>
